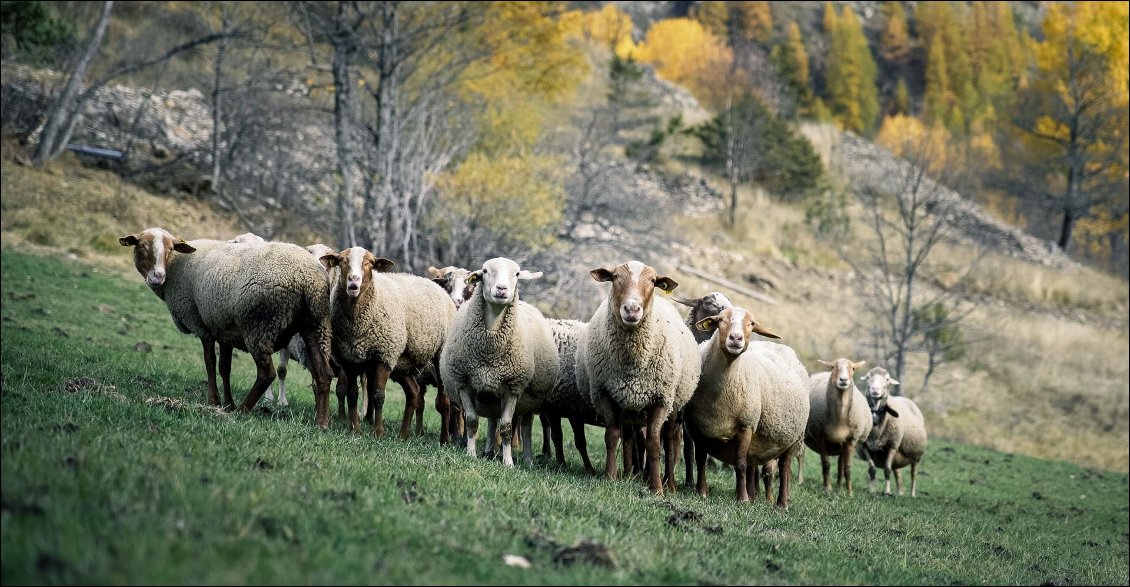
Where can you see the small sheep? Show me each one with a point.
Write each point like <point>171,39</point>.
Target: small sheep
<point>751,405</point>
<point>639,364</point>
<point>500,359</point>
<point>838,419</point>
<point>565,400</point>
<point>898,433</point>
<point>384,325</point>
<point>248,296</point>
<point>708,305</point>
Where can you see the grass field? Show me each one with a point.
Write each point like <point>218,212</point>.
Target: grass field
<point>114,472</point>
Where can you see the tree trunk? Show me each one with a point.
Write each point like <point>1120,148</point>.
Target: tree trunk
<point>379,206</point>
<point>731,165</point>
<point>217,104</point>
<point>62,117</point>
<point>344,47</point>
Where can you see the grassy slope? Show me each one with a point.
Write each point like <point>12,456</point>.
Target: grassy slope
<point>101,486</point>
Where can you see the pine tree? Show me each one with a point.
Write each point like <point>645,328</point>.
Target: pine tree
<point>938,97</point>
<point>851,73</point>
<point>791,59</point>
<point>895,39</point>
<point>902,98</point>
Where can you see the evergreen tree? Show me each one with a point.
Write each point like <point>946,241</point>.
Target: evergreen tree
<point>938,97</point>
<point>851,73</point>
<point>902,98</point>
<point>895,39</point>
<point>791,60</point>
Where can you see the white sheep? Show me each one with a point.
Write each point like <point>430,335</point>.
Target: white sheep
<point>751,404</point>
<point>639,364</point>
<point>499,359</point>
<point>838,420</point>
<point>247,296</point>
<point>565,400</point>
<point>706,306</point>
<point>384,325</point>
<point>898,433</point>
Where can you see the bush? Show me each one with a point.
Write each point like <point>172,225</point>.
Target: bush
<point>32,33</point>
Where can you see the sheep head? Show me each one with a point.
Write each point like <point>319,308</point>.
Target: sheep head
<point>357,266</point>
<point>633,284</point>
<point>500,280</point>
<point>453,280</point>
<point>879,383</point>
<point>734,327</point>
<point>842,371</point>
<point>152,250</point>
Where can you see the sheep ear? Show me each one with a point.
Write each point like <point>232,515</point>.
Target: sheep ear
<point>329,260</point>
<point>826,363</point>
<point>382,265</point>
<point>891,411</point>
<point>858,364</point>
<point>707,324</point>
<point>183,247</point>
<point>763,331</point>
<point>475,276</point>
<point>129,240</point>
<point>666,284</point>
<point>601,274</point>
<point>523,274</point>
<point>434,273</point>
<point>692,302</point>
<point>892,381</point>
<point>439,281</point>
<point>865,377</point>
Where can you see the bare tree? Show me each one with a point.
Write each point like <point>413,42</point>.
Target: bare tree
<point>60,122</point>
<point>908,311</point>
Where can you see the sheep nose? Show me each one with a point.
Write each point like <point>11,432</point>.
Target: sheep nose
<point>735,337</point>
<point>157,277</point>
<point>501,291</point>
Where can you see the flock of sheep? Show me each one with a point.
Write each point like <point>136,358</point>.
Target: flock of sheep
<point>637,368</point>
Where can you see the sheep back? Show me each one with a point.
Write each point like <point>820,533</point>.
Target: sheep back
<point>566,399</point>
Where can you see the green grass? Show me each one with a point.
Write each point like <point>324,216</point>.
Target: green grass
<point>101,486</point>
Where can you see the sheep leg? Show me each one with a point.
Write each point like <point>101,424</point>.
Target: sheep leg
<point>527,439</point>
<point>845,464</point>
<point>547,435</point>
<point>264,376</point>
<point>870,470</point>
<point>378,378</point>
<point>825,468</point>
<point>553,423</point>
<point>700,463</point>
<point>471,422</point>
<point>351,399</point>
<point>443,407</point>
<point>423,390</point>
<point>210,368</point>
<point>506,429</point>
<point>321,371</point>
<point>411,398</point>
<point>800,465</point>
<point>913,479</point>
<point>628,433</point>
<point>656,416</point>
<point>888,464</point>
<point>341,390</point>
<point>225,375</point>
<point>784,475</point>
<point>688,458</point>
<point>673,430</point>
<point>284,357</point>
<point>581,442</point>
<point>611,433</point>
<point>493,444</point>
<point>898,481</point>
<point>742,438</point>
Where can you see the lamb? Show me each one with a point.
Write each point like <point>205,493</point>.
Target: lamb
<point>500,359</point>
<point>838,419</point>
<point>384,325</point>
<point>898,433</point>
<point>248,296</point>
<point>751,405</point>
<point>708,305</point>
<point>639,364</point>
<point>565,400</point>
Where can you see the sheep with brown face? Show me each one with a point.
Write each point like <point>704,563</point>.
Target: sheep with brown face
<point>639,364</point>
<point>250,296</point>
<point>385,325</point>
<point>838,419</point>
<point>751,404</point>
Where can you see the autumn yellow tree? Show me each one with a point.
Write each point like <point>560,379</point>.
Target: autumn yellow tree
<point>684,52</point>
<point>851,73</point>
<point>1073,118</point>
